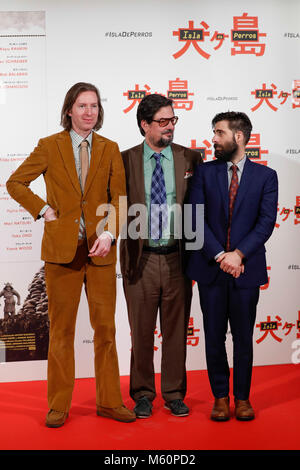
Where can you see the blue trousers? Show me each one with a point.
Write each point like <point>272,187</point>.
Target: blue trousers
<point>223,302</point>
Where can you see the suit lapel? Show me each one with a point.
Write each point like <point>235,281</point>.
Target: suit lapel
<point>222,178</point>
<point>246,180</point>
<point>180,168</point>
<point>98,146</point>
<point>137,170</point>
<point>137,181</point>
<point>64,143</point>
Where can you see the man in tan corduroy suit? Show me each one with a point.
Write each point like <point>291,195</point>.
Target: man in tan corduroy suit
<point>79,246</point>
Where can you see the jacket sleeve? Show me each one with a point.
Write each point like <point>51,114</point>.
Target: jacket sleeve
<point>18,183</point>
<point>116,189</point>
<point>266,219</point>
<point>211,246</point>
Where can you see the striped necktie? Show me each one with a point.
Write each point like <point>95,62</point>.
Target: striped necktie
<point>159,208</point>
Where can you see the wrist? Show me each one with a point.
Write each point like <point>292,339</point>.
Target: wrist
<point>241,255</point>
<point>106,235</point>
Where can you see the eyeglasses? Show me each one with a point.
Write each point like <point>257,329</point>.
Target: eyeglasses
<point>163,122</point>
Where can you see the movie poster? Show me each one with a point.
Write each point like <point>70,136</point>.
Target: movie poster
<point>23,301</point>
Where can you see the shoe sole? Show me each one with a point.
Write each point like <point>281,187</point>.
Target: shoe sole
<point>143,416</point>
<point>56,425</point>
<point>131,420</point>
<point>220,419</point>
<point>182,415</point>
<point>246,418</point>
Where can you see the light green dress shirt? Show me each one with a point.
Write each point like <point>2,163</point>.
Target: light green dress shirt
<point>167,163</point>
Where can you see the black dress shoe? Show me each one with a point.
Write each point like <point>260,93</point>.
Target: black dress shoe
<point>143,408</point>
<point>177,407</point>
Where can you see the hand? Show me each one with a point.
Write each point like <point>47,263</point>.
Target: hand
<point>50,215</point>
<point>102,245</point>
<point>231,263</point>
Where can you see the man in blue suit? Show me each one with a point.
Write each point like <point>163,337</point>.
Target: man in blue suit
<point>240,207</point>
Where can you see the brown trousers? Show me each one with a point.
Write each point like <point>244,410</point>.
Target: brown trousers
<point>64,285</point>
<point>161,287</point>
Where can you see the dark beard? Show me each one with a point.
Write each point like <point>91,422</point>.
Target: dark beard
<point>165,141</point>
<point>226,153</point>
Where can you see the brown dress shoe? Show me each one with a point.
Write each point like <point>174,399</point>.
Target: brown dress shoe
<point>243,410</point>
<point>220,411</point>
<point>55,419</point>
<point>121,413</point>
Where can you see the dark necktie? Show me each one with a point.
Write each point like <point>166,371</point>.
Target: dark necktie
<point>234,185</point>
<point>84,162</point>
<point>158,209</point>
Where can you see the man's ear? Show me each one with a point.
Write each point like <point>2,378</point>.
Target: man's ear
<point>144,125</point>
<point>239,137</point>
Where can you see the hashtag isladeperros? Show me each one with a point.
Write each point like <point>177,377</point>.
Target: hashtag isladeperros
<point>129,34</point>
<point>294,266</point>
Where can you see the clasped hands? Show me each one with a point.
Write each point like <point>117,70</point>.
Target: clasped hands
<point>231,263</point>
<point>102,244</point>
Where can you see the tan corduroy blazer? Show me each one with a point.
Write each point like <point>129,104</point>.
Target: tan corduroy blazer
<point>54,159</point>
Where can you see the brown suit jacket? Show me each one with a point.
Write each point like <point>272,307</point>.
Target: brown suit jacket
<point>53,157</point>
<point>185,161</point>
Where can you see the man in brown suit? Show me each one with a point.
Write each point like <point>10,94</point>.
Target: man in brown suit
<point>83,172</point>
<point>157,173</point>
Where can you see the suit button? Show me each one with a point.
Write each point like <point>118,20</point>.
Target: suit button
<point>76,221</point>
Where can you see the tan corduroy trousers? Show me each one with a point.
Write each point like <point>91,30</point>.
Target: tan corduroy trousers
<point>64,285</point>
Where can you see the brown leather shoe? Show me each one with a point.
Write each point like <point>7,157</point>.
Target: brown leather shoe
<point>121,413</point>
<point>220,411</point>
<point>243,410</point>
<point>55,419</point>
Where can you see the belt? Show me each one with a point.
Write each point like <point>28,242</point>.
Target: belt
<point>162,250</point>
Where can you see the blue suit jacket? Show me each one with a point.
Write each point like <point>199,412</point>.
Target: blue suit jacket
<point>253,220</point>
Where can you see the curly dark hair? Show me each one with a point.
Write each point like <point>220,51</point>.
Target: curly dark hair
<point>237,121</point>
<point>149,106</point>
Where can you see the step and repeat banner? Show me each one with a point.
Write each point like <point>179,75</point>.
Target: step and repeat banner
<point>208,57</point>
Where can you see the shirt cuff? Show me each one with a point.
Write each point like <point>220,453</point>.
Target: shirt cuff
<point>219,254</point>
<point>43,210</point>
<point>107,233</point>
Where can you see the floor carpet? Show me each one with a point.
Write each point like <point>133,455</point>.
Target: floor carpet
<point>275,396</point>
